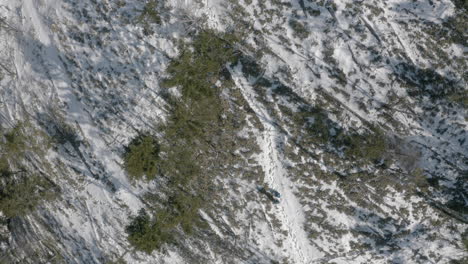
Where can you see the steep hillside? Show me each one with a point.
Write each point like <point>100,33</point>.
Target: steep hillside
<point>235,131</point>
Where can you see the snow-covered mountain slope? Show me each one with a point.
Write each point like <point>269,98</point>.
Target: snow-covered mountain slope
<point>355,112</point>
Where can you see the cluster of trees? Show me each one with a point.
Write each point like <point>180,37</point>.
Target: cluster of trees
<point>173,154</point>
<point>21,188</point>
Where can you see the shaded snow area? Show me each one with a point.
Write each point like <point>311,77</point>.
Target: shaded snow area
<point>308,72</point>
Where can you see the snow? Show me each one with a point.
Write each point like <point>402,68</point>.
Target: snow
<point>83,60</point>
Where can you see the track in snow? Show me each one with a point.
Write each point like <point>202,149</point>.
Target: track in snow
<point>289,210</point>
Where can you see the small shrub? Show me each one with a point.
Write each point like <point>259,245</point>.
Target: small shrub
<point>197,70</point>
<point>314,12</point>
<point>420,179</point>
<point>149,15</point>
<point>320,128</point>
<point>141,157</point>
<point>183,208</point>
<point>299,29</point>
<point>148,234</point>
<point>150,12</point>
<point>15,141</point>
<point>460,98</point>
<point>370,147</point>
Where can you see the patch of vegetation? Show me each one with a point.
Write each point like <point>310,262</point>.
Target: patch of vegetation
<point>178,155</point>
<point>451,31</point>
<point>146,234</point>
<point>461,4</point>
<point>425,82</point>
<point>21,194</point>
<point>460,98</point>
<point>313,12</point>
<point>21,189</point>
<point>465,239</point>
<point>198,68</point>
<point>365,147</point>
<point>150,15</point>
<point>370,146</point>
<point>118,261</point>
<point>141,157</point>
<point>315,127</point>
<point>299,29</point>
<point>317,124</point>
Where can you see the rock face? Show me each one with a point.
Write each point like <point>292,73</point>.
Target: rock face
<point>343,136</point>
